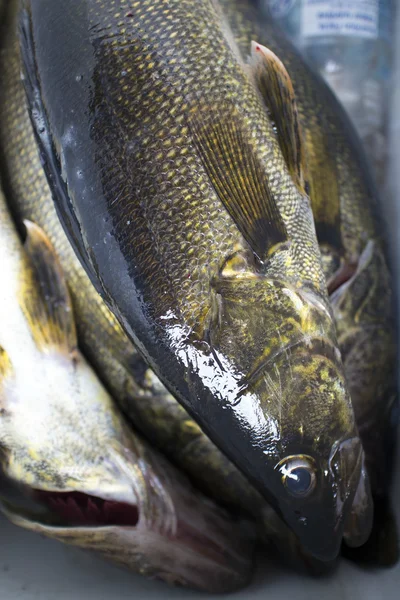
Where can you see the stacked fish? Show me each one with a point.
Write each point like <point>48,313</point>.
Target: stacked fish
<point>198,329</point>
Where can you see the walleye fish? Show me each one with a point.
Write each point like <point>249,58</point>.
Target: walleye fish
<point>197,229</point>
<point>351,236</point>
<point>143,397</point>
<point>69,449</point>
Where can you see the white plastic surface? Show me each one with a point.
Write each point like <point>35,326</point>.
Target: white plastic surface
<point>34,568</point>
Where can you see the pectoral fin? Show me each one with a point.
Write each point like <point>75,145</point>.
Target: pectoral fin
<point>277,91</point>
<point>238,176</point>
<point>45,299</point>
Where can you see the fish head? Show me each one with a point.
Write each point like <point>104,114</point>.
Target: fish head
<point>78,473</point>
<point>290,369</point>
<point>316,459</point>
<point>84,478</point>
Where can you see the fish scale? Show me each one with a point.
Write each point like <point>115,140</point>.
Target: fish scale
<point>165,69</point>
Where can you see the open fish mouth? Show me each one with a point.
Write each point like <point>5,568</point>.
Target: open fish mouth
<point>70,509</point>
<point>77,509</point>
<point>171,534</point>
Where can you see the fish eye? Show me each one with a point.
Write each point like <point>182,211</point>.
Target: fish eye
<point>298,475</point>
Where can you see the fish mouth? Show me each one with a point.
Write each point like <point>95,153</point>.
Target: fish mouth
<point>70,510</point>
<point>77,509</point>
<point>172,534</point>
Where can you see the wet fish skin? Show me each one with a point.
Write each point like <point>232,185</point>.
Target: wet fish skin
<point>352,238</point>
<point>163,108</point>
<point>62,438</point>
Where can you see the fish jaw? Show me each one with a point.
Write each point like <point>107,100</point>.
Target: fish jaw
<point>67,446</point>
<point>170,532</point>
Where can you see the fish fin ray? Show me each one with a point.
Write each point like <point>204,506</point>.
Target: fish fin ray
<point>238,176</point>
<point>276,88</point>
<point>47,302</point>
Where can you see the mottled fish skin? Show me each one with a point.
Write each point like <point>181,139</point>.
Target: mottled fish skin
<point>352,238</point>
<point>242,335</point>
<point>66,445</point>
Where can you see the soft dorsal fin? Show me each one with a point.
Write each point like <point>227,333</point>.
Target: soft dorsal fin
<point>324,190</point>
<point>47,303</point>
<point>310,162</point>
<point>276,88</point>
<point>238,176</point>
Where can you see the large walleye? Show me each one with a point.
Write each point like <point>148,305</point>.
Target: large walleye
<point>152,409</point>
<point>197,228</point>
<point>96,484</point>
<point>350,232</point>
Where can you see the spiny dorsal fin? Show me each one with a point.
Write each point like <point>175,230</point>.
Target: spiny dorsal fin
<point>47,303</point>
<point>277,91</point>
<point>238,176</point>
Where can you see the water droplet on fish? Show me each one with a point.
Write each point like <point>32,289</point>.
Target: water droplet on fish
<point>79,78</point>
<point>124,73</point>
<point>128,222</point>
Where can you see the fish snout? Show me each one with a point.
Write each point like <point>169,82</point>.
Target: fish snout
<point>338,506</point>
